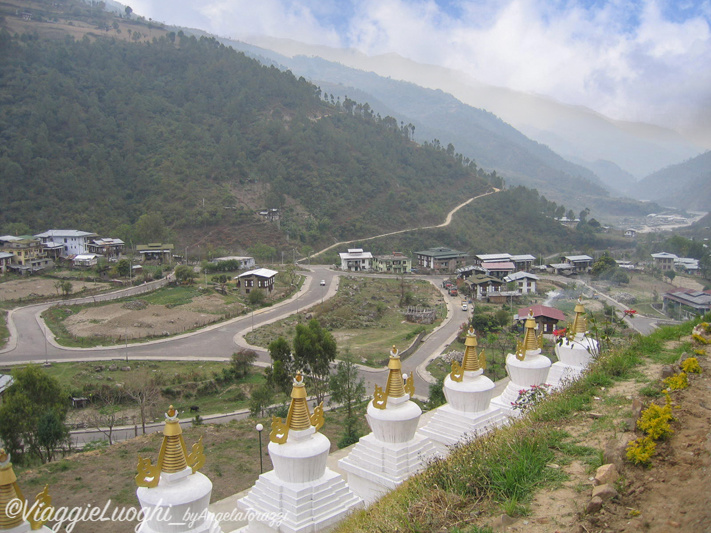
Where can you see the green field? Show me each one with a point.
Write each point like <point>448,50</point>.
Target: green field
<point>365,317</point>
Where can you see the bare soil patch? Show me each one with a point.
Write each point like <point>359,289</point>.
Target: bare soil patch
<point>120,321</point>
<point>35,287</point>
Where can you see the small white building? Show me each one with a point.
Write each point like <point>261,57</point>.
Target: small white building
<point>244,261</point>
<point>86,260</point>
<point>525,282</point>
<point>73,241</point>
<point>355,259</point>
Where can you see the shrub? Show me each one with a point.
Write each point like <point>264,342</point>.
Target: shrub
<point>691,366</point>
<point>677,381</point>
<point>655,419</point>
<point>641,450</point>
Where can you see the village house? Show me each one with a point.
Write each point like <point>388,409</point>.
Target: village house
<point>156,251</point>
<point>470,270</point>
<point>499,270</point>
<point>561,269</point>
<point>581,263</point>
<point>243,261</point>
<point>483,286</point>
<point>356,260</point>
<point>85,260</point>
<point>261,278</point>
<point>546,318</point>
<point>688,265</point>
<point>525,282</point>
<point>687,302</point>
<point>664,261</point>
<point>395,263</point>
<point>5,260</point>
<point>630,233</point>
<point>28,255</point>
<point>520,262</point>
<point>70,242</point>
<point>108,248</point>
<point>441,259</point>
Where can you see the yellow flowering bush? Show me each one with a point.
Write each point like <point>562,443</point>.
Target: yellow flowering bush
<point>654,420</point>
<point>677,381</point>
<point>691,366</point>
<point>641,450</point>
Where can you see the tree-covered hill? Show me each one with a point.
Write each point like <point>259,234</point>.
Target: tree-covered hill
<point>96,133</point>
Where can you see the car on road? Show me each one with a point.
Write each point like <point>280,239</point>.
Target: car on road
<point>464,306</point>
<point>323,283</point>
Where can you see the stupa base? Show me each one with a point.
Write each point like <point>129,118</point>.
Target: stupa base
<point>561,375</point>
<point>449,427</point>
<point>277,506</point>
<point>374,467</point>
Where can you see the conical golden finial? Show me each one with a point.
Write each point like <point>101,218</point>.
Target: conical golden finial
<point>395,387</point>
<point>299,417</point>
<point>470,363</point>
<point>39,513</point>
<point>580,324</point>
<point>530,341</point>
<point>173,456</point>
<point>9,490</point>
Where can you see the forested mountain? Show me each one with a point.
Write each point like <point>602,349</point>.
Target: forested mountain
<point>96,132</point>
<point>686,185</point>
<point>478,134</point>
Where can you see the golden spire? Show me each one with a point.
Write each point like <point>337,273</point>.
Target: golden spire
<point>530,341</point>
<point>173,456</point>
<point>396,386</point>
<point>580,324</point>
<point>471,361</point>
<point>36,515</point>
<point>299,417</point>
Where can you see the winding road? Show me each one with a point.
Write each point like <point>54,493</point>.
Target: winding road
<point>31,341</point>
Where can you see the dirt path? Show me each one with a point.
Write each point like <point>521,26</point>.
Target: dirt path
<point>447,222</point>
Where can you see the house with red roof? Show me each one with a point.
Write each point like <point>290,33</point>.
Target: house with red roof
<point>546,317</point>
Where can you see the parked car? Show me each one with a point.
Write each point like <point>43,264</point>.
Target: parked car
<point>323,283</point>
<point>465,307</point>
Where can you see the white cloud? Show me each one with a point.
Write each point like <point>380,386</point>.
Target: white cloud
<point>622,58</point>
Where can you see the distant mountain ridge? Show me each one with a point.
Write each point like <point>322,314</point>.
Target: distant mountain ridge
<point>571,131</point>
<point>686,185</point>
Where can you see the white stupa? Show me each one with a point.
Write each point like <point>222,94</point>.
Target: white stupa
<point>12,518</point>
<point>468,411</point>
<point>301,491</point>
<point>574,353</point>
<point>526,367</point>
<point>174,496</point>
<point>393,452</point>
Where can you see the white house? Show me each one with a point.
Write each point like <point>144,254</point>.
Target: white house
<point>244,261</point>
<point>86,260</point>
<point>525,282</point>
<point>356,259</point>
<point>73,241</point>
<point>261,278</point>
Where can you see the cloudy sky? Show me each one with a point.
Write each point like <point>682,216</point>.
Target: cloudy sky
<point>645,60</point>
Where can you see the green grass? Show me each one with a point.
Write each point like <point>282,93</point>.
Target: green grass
<point>4,332</point>
<point>179,381</point>
<point>364,317</point>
